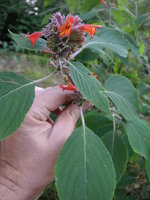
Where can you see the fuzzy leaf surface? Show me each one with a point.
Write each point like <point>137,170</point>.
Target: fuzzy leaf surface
<point>16,98</point>
<point>122,93</point>
<point>88,85</point>
<point>119,154</point>
<point>25,43</point>
<point>110,39</point>
<point>139,136</point>
<point>87,164</point>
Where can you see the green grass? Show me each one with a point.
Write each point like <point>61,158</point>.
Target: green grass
<point>32,66</point>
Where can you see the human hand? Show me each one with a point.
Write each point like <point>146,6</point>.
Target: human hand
<point>27,158</point>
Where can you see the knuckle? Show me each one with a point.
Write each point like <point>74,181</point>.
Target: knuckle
<point>73,113</point>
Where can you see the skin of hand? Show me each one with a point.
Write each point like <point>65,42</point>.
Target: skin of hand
<point>28,157</point>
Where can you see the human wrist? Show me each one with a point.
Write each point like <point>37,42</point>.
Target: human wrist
<point>13,184</point>
<point>9,190</point>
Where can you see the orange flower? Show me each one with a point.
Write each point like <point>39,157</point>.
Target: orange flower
<point>88,28</point>
<point>103,2</point>
<point>33,37</point>
<point>95,75</point>
<point>65,29</point>
<point>70,87</point>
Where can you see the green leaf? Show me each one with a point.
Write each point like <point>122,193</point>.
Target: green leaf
<point>92,55</point>
<point>117,15</point>
<point>143,89</point>
<point>147,167</point>
<point>84,5</point>
<point>121,91</point>
<point>126,181</point>
<point>16,98</point>
<point>25,43</point>
<point>132,44</point>
<point>97,122</point>
<point>121,195</point>
<point>122,3</point>
<point>139,136</point>
<point>141,19</point>
<point>88,4</point>
<point>88,85</point>
<point>74,5</point>
<point>111,39</point>
<point>85,162</point>
<point>91,14</point>
<point>119,155</point>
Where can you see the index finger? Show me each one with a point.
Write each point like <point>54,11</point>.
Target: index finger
<point>53,97</point>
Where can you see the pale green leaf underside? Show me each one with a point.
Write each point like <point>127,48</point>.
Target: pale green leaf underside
<point>88,85</point>
<point>16,98</point>
<point>25,43</point>
<point>139,136</point>
<point>122,93</point>
<point>111,39</point>
<point>85,163</point>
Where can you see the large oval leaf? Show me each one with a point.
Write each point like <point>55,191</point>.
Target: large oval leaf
<point>139,136</point>
<point>88,85</point>
<point>86,165</point>
<point>25,43</point>
<point>121,91</point>
<point>16,97</point>
<point>119,154</point>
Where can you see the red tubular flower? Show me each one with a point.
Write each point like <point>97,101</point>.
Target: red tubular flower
<point>65,29</point>
<point>103,2</point>
<point>89,28</point>
<point>95,75</point>
<point>33,37</point>
<point>69,87</point>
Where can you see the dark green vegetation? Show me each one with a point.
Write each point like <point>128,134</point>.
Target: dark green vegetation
<point>123,48</point>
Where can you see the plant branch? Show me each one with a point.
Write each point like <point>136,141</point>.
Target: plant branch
<point>45,78</point>
<point>115,113</point>
<point>136,9</point>
<point>109,10</point>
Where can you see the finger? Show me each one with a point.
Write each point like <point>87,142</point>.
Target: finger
<point>62,129</point>
<point>64,126</point>
<point>57,111</point>
<point>52,98</point>
<point>38,90</point>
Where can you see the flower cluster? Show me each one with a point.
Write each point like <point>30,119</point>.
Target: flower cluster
<point>64,36</point>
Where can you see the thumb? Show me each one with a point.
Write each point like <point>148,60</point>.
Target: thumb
<point>64,125</point>
<point>62,129</point>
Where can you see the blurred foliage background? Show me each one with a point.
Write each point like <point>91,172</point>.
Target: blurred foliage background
<point>131,17</point>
